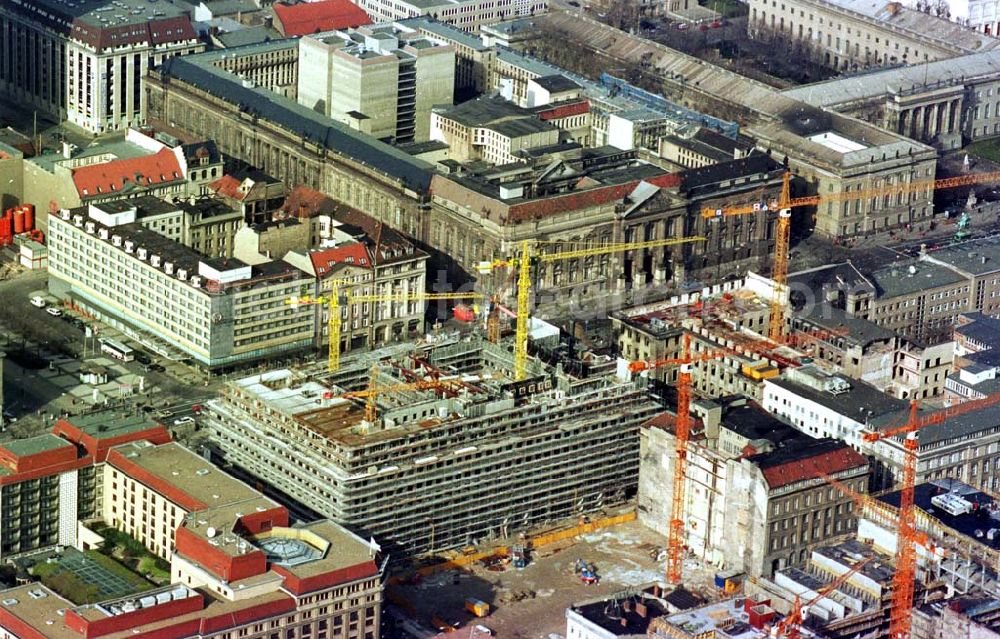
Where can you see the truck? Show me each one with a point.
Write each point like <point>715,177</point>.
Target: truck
<point>477,607</point>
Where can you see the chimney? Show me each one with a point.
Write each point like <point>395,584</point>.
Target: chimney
<point>640,609</point>
<point>624,622</point>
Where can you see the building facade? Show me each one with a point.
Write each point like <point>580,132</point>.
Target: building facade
<point>467,15</point>
<point>849,35</point>
<point>378,79</point>
<point>398,483</point>
<point>216,311</point>
<point>87,66</point>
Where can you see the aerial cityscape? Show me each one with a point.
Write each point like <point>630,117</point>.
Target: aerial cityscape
<point>527,319</point>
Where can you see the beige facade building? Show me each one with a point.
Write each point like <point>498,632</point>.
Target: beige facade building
<point>377,79</point>
<point>755,497</point>
<point>945,103</point>
<point>853,34</point>
<point>490,129</point>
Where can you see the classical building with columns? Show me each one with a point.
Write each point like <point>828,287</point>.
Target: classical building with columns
<point>947,103</point>
<point>85,64</point>
<point>851,35</point>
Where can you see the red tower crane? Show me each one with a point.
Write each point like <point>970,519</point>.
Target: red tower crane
<point>900,618</point>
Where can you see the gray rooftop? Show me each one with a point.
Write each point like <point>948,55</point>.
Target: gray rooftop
<point>338,138</point>
<point>444,31</point>
<point>860,400</point>
<point>907,278</point>
<point>920,76</point>
<point>956,427</point>
<point>975,257</point>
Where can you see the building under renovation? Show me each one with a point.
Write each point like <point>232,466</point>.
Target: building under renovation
<point>451,452</point>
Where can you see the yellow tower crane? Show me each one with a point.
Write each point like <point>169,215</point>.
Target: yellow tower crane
<point>523,266</point>
<point>335,299</point>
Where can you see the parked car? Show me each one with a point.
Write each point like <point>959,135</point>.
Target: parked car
<point>180,421</point>
<point>157,367</point>
<point>38,301</point>
<point>53,311</point>
<point>683,26</point>
<point>143,359</point>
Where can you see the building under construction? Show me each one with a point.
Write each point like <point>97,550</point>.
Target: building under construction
<point>446,449</point>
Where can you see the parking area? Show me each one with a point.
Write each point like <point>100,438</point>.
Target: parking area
<point>54,367</point>
<point>530,603</point>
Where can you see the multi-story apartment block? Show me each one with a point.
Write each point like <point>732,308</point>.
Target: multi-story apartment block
<point>790,507</point>
<point>920,298</point>
<point>473,59</point>
<point>86,63</point>
<point>216,311</point>
<point>850,34</point>
<point>50,481</point>
<point>467,15</point>
<point>236,566</point>
<point>377,79</point>
<point>397,478</point>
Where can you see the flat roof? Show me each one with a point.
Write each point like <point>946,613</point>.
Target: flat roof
<point>111,423</point>
<point>445,31</point>
<point>860,399</point>
<point>36,445</point>
<point>984,517</point>
<point>975,257</point>
<point>912,276</point>
<point>837,142</point>
<point>190,473</point>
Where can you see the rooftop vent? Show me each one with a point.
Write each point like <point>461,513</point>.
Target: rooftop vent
<point>116,240</point>
<point>91,227</point>
<point>196,281</point>
<point>836,386</point>
<point>182,273</point>
<point>154,260</point>
<point>141,253</point>
<point>103,234</point>
<point>168,268</point>
<point>129,246</point>
<point>64,214</point>
<point>77,220</point>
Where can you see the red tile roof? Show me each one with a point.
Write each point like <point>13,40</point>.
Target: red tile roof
<point>304,202</point>
<point>228,186</point>
<point>549,206</point>
<point>563,110</point>
<point>355,254</point>
<point>311,17</point>
<point>804,467</point>
<point>118,175</point>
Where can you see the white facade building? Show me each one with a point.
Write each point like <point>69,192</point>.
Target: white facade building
<point>467,15</point>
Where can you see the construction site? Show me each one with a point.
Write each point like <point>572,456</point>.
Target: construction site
<point>436,446</point>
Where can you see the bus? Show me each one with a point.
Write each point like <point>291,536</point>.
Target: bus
<point>116,349</point>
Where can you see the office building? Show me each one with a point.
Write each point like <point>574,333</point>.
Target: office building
<point>86,63</point>
<point>849,35</point>
<point>491,129</point>
<point>438,470</point>
<point>378,79</point>
<point>236,565</point>
<point>467,15</point>
<point>216,311</point>
<point>50,481</point>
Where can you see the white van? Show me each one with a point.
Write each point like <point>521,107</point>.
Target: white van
<point>38,301</point>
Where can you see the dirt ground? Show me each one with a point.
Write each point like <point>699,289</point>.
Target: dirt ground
<point>531,603</point>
